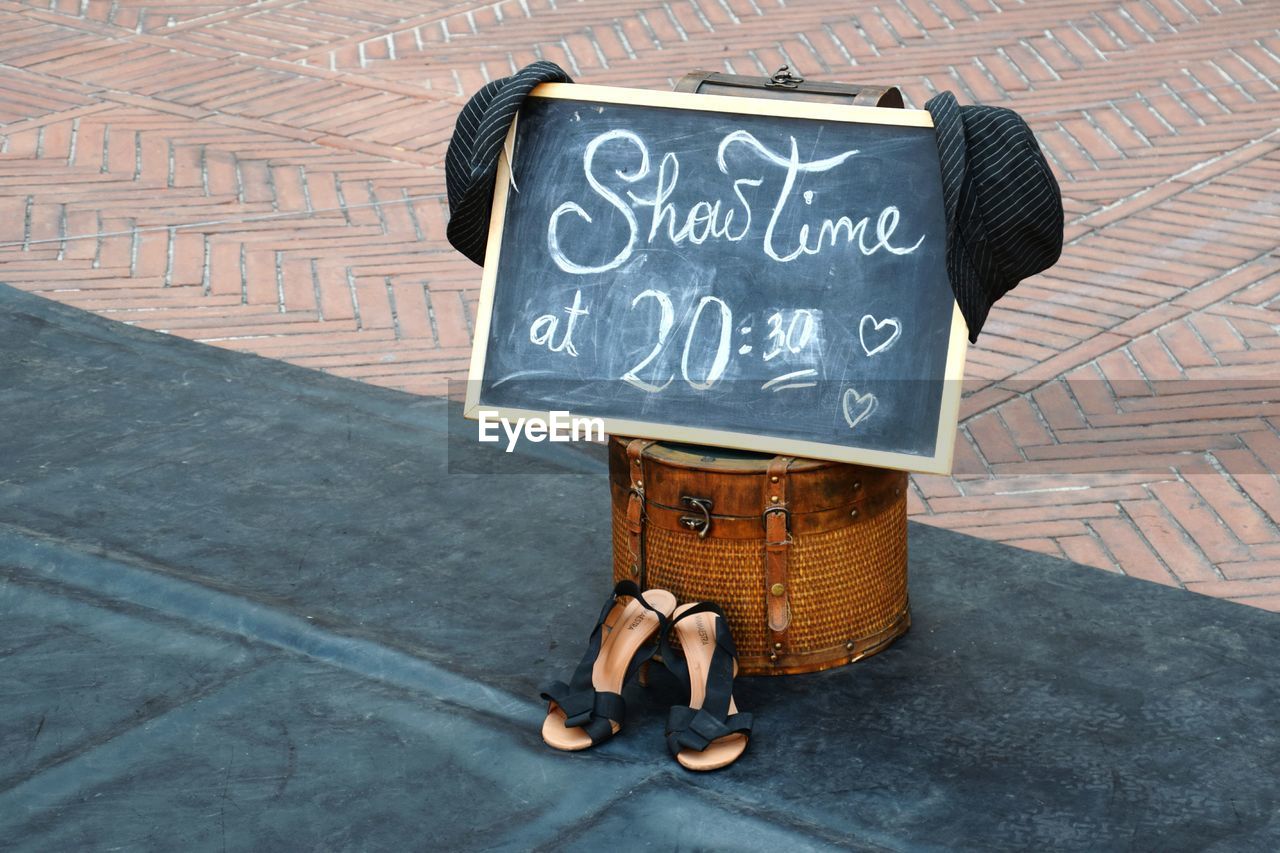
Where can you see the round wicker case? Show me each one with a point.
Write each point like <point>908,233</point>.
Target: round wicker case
<point>807,558</point>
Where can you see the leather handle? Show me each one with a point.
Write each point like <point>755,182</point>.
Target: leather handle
<point>690,82</point>
<point>759,87</point>
<point>879,96</point>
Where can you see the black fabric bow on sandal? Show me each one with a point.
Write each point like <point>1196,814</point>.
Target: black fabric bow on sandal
<point>709,732</point>
<point>589,709</point>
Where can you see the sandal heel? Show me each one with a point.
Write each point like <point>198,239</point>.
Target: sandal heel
<point>589,709</point>
<point>709,732</point>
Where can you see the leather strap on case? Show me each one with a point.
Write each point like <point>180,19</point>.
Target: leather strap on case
<point>777,552</point>
<point>635,510</point>
<point>879,96</point>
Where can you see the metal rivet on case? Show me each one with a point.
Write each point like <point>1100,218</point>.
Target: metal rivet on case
<point>774,498</point>
<point>849,645</point>
<point>773,479</point>
<point>854,513</point>
<point>640,483</point>
<point>778,646</point>
<point>857,484</point>
<point>777,589</point>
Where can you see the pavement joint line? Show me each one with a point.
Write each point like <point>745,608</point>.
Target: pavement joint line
<point>266,217</point>
<point>60,781</point>
<point>426,414</point>
<point>1178,178</point>
<point>716,798</point>
<point>152,712</point>
<point>93,762</point>
<point>190,601</point>
<point>1111,102</point>
<point>1220,157</point>
<point>549,831</point>
<point>435,196</point>
<point>1007,383</point>
<point>98,765</point>
<point>66,773</point>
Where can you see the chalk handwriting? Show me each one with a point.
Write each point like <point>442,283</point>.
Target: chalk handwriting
<point>665,321</point>
<point>792,340</point>
<point>543,330</point>
<point>781,383</point>
<point>588,161</point>
<point>708,342</point>
<point>721,359</point>
<point>857,407</point>
<point>715,219</point>
<point>877,325</point>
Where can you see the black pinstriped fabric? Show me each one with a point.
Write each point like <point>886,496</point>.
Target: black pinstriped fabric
<point>1004,208</point>
<point>471,162</point>
<point>1003,205</point>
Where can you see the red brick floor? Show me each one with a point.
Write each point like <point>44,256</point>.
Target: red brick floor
<point>265,176</point>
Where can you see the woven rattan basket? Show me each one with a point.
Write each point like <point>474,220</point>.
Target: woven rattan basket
<point>807,558</point>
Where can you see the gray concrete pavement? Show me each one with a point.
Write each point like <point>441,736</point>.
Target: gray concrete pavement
<point>244,605</point>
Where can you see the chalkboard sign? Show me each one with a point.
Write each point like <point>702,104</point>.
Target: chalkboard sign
<point>760,274</point>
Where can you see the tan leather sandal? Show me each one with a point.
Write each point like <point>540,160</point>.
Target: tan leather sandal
<point>590,709</point>
<point>709,732</point>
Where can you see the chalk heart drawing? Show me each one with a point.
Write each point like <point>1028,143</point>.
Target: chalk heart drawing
<point>877,325</point>
<point>857,407</point>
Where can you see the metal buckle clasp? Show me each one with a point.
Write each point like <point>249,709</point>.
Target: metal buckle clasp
<point>784,79</point>
<point>786,524</point>
<point>702,522</point>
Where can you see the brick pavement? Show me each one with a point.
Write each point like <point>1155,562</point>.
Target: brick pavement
<point>264,176</point>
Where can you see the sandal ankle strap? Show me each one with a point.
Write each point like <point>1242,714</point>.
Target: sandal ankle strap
<point>583,705</point>
<point>724,639</point>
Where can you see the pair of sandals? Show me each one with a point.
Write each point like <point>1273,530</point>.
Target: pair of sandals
<point>706,734</point>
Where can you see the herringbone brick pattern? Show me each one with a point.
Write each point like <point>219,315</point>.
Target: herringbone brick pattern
<point>266,176</point>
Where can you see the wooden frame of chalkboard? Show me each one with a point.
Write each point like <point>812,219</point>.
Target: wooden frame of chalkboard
<point>933,453</point>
